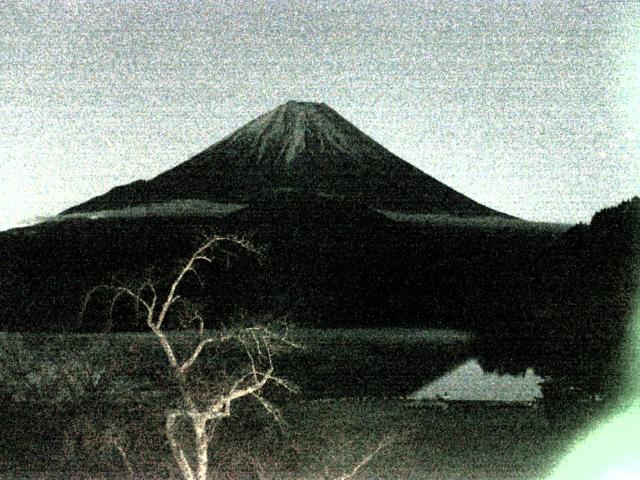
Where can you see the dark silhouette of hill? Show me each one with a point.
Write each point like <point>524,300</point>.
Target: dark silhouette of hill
<point>555,299</point>
<point>297,147</point>
<point>579,305</point>
<point>327,262</point>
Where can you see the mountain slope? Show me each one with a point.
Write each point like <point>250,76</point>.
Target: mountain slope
<point>302,147</point>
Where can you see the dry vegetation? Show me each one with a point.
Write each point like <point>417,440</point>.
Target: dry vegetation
<point>76,402</point>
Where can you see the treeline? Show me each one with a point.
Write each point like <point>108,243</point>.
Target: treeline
<point>581,301</point>
<point>324,263</point>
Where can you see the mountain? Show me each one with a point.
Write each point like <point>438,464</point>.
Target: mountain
<point>298,148</point>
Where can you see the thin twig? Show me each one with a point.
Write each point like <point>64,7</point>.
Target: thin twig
<point>363,462</point>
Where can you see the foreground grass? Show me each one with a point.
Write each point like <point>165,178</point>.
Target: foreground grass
<point>321,439</point>
<point>101,413</point>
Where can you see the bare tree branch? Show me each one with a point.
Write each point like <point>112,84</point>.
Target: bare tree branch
<point>363,462</point>
<point>114,439</point>
<point>269,407</point>
<point>166,346</point>
<point>194,356</point>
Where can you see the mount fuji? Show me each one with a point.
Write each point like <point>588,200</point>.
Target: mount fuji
<point>297,148</point>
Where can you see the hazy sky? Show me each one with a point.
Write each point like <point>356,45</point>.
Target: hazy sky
<point>529,107</point>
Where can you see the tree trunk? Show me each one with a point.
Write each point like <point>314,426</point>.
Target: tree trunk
<point>202,446</point>
<point>176,449</point>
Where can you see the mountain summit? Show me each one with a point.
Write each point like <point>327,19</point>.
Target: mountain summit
<point>298,147</point>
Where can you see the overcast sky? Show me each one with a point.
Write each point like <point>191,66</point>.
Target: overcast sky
<point>531,108</point>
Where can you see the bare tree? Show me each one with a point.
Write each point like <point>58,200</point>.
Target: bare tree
<point>204,401</point>
<point>200,407</point>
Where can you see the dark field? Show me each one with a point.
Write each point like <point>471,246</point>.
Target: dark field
<point>110,398</point>
<point>463,441</point>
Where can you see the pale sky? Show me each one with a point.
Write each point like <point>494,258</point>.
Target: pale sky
<point>530,107</point>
